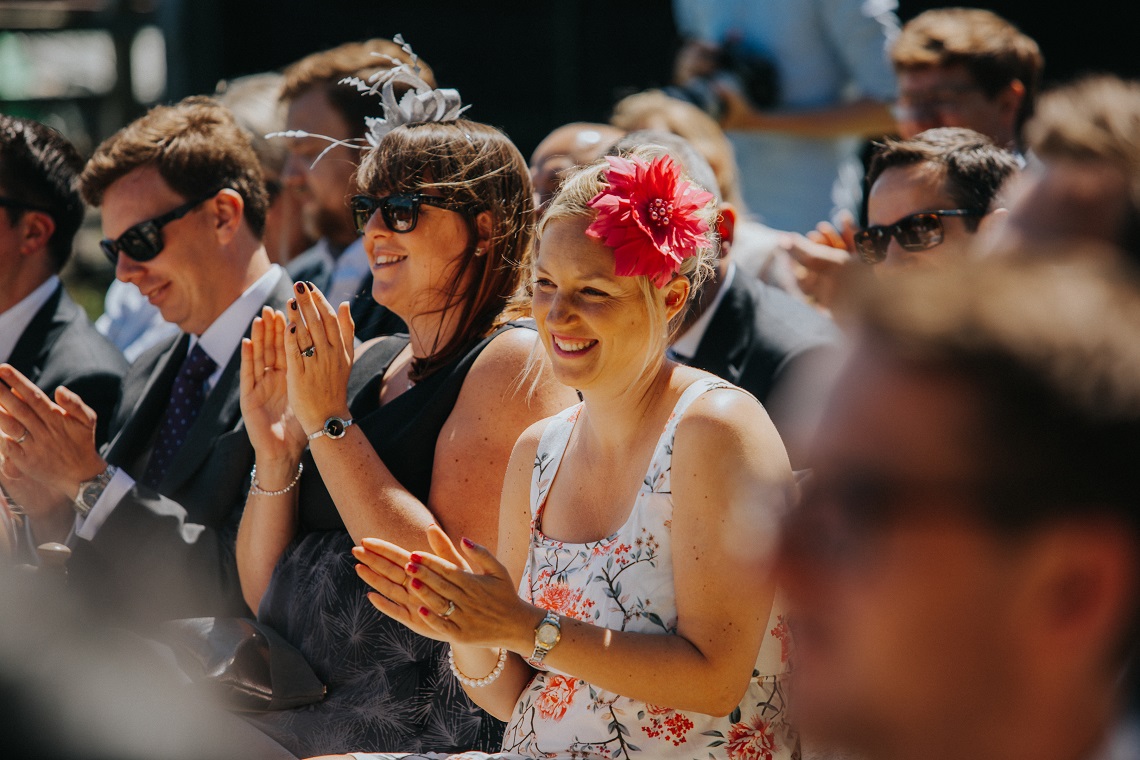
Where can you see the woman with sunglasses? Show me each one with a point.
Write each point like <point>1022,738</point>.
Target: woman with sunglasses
<point>631,611</point>
<point>415,431</point>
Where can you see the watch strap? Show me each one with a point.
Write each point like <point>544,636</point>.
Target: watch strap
<point>90,490</point>
<point>540,650</point>
<point>324,429</point>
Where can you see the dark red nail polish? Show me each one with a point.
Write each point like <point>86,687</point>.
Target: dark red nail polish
<point>292,328</point>
<point>468,543</point>
<point>300,287</point>
<point>293,304</point>
<point>311,286</point>
<point>425,611</point>
<point>416,558</point>
<point>413,569</point>
<point>417,583</point>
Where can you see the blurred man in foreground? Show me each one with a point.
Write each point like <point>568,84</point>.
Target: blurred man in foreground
<point>963,569</point>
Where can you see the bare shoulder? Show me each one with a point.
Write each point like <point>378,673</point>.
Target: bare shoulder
<point>512,372</point>
<point>726,430</point>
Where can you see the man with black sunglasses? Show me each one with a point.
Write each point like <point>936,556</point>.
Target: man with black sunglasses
<point>929,196</point>
<point>152,517</point>
<point>43,333</point>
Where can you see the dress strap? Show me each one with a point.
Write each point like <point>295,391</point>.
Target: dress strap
<point>551,447</point>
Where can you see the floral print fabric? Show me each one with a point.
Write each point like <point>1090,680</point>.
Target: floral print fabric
<point>625,582</point>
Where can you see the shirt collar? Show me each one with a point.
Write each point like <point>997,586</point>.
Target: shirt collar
<point>686,345</point>
<point>222,337</point>
<point>15,320</point>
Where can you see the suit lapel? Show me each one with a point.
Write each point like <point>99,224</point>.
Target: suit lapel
<point>35,343</point>
<point>220,413</point>
<point>724,347</point>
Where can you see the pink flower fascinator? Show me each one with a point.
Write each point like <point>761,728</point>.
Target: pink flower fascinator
<point>649,216</point>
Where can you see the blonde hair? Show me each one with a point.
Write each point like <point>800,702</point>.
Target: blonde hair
<point>572,202</point>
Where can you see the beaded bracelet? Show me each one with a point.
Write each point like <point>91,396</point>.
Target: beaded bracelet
<point>255,488</point>
<point>486,680</point>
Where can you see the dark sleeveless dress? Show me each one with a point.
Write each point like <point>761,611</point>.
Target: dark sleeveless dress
<point>389,689</point>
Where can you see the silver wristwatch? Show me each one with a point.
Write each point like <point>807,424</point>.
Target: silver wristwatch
<point>546,635</point>
<point>90,490</point>
<point>334,428</point>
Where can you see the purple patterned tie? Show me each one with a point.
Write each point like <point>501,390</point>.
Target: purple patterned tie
<point>185,402</point>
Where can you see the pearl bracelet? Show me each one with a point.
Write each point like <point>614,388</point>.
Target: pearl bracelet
<point>486,680</point>
<point>255,488</point>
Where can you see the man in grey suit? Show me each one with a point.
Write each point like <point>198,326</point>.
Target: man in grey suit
<point>152,516</point>
<point>43,333</point>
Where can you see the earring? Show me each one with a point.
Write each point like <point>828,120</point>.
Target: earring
<point>479,251</point>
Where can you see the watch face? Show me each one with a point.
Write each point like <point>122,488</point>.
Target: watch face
<point>547,634</point>
<point>91,494</point>
<point>334,427</point>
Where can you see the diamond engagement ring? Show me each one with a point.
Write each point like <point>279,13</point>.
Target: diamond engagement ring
<point>308,352</point>
<point>450,609</point>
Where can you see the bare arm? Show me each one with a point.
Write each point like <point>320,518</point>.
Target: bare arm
<point>729,471</point>
<point>860,118</point>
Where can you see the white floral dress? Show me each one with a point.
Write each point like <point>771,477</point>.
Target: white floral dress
<point>625,582</point>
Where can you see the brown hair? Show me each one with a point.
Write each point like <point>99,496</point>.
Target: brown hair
<point>1095,119</point>
<point>327,68</point>
<point>973,168</point>
<point>479,167</point>
<point>653,109</point>
<point>197,148</point>
<point>993,50</point>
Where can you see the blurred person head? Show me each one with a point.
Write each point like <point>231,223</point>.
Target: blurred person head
<point>567,147</point>
<point>183,206</point>
<point>965,67</point>
<point>316,102</point>
<point>654,109</point>
<point>1082,181</point>
<point>254,101</point>
<point>455,254</point>
<point>963,567</point>
<point>929,195</point>
<point>602,329</point>
<point>42,208</point>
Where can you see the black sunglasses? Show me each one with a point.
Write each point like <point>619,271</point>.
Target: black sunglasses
<point>399,212</point>
<point>916,232</point>
<point>144,241</point>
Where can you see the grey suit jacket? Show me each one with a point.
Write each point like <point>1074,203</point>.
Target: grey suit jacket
<point>171,553</point>
<point>60,346</point>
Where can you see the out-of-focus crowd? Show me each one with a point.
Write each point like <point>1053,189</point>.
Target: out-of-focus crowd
<point>690,436</point>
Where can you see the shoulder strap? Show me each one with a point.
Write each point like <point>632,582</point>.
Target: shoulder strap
<point>551,447</point>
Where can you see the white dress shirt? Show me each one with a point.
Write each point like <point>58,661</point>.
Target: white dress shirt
<point>220,340</point>
<point>685,347</point>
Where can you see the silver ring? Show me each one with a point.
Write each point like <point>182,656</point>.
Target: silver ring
<point>22,438</point>
<point>308,352</point>
<point>450,609</point>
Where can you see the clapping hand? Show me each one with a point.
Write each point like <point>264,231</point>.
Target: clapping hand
<point>319,351</point>
<point>458,596</point>
<point>273,429</point>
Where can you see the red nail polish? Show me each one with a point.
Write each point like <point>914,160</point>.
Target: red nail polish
<point>417,583</point>
<point>413,569</point>
<point>292,328</point>
<point>468,543</point>
<point>416,558</point>
<point>293,304</point>
<point>425,611</point>
<point>300,287</point>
